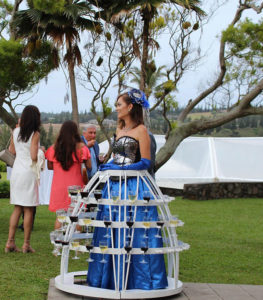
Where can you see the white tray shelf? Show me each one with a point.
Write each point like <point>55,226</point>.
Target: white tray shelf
<point>172,246</point>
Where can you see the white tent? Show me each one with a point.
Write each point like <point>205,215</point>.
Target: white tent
<point>199,159</point>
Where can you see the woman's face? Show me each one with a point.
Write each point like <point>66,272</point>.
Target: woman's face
<point>122,108</point>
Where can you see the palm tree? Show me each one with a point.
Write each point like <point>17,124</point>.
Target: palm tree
<point>112,9</point>
<point>148,11</point>
<point>153,76</point>
<point>62,28</point>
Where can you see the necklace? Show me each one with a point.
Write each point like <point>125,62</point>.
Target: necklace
<point>127,129</point>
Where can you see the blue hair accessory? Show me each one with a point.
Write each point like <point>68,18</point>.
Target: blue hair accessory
<point>138,97</point>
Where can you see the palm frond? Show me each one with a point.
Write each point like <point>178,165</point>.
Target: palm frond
<point>77,55</point>
<point>59,21</point>
<point>55,57</point>
<point>35,15</point>
<point>30,3</point>
<point>71,35</point>
<point>60,28</point>
<point>56,35</point>
<point>86,24</point>
<point>73,11</point>
<point>68,57</point>
<point>22,25</point>
<point>191,5</point>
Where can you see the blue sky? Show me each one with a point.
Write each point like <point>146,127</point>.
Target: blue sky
<point>49,97</point>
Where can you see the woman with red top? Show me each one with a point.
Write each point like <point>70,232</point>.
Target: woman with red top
<point>65,158</point>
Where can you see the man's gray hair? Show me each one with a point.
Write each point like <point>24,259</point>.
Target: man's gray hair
<point>87,126</point>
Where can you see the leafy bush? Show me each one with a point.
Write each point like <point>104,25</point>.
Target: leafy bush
<point>2,166</point>
<point>4,189</point>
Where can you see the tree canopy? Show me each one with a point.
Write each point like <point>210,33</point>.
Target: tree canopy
<point>19,72</point>
<point>60,22</point>
<point>236,83</point>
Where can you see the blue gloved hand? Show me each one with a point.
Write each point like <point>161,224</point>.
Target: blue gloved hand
<point>109,166</point>
<point>143,164</point>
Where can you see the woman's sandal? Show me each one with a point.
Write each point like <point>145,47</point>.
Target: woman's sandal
<point>27,248</point>
<point>13,248</point>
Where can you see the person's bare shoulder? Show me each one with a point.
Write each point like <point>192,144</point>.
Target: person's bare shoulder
<point>141,132</point>
<point>36,135</point>
<point>80,145</point>
<point>142,129</point>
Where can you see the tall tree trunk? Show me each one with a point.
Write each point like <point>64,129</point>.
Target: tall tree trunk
<point>15,9</point>
<point>7,118</point>
<point>146,16</point>
<point>175,138</point>
<point>74,98</point>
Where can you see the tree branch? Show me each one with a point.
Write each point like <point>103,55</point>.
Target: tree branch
<point>161,99</point>
<point>220,77</point>
<point>187,129</point>
<point>246,100</point>
<point>256,8</point>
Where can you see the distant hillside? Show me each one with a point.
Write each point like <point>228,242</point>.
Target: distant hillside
<point>199,115</point>
<point>245,127</point>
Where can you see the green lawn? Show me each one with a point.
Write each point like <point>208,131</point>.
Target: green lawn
<point>225,236</point>
<point>226,240</point>
<point>3,175</point>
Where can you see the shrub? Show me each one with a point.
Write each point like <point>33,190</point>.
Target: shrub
<point>2,166</point>
<point>4,189</point>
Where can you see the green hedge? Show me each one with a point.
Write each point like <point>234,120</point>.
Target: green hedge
<point>4,189</point>
<point>2,166</point>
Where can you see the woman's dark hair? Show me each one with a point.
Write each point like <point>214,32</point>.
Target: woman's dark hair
<point>29,122</point>
<point>65,145</point>
<point>135,113</point>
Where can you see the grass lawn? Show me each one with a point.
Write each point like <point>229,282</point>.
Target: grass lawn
<point>3,175</point>
<point>225,236</point>
<point>226,240</point>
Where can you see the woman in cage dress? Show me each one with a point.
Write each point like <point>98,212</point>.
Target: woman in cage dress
<point>131,151</point>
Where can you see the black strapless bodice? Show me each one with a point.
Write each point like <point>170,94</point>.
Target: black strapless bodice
<point>126,150</point>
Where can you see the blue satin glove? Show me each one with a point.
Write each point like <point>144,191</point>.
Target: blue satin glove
<point>109,166</point>
<point>143,164</point>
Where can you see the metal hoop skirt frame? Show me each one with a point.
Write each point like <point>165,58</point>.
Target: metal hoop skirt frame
<point>65,281</point>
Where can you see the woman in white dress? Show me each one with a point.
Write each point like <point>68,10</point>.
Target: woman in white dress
<point>23,181</point>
